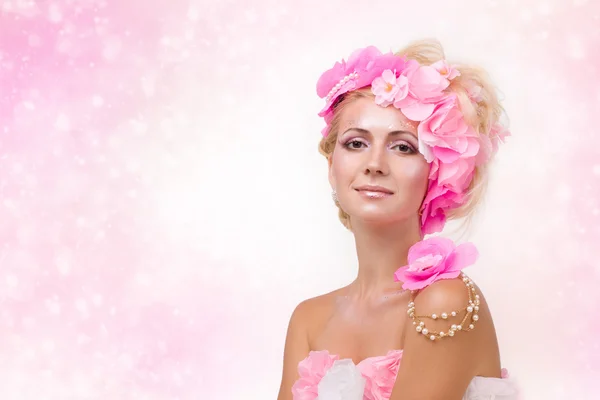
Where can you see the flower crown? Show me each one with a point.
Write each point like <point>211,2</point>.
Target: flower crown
<point>446,140</point>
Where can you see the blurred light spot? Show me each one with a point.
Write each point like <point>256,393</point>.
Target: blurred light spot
<point>62,123</point>
<point>54,14</point>
<point>12,280</point>
<point>97,101</point>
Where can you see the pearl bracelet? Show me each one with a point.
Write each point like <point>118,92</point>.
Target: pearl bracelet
<point>471,316</point>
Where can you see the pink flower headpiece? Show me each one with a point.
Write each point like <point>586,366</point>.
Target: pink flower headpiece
<point>446,140</point>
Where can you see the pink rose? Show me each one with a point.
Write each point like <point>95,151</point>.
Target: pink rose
<point>456,175</point>
<point>433,259</point>
<point>387,87</point>
<point>413,109</point>
<point>446,135</point>
<point>439,199</point>
<point>427,84</point>
<point>426,87</point>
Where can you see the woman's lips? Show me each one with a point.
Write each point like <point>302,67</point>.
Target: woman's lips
<point>374,192</point>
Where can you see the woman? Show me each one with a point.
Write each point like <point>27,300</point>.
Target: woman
<point>407,139</point>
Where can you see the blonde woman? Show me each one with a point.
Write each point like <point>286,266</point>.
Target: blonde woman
<point>407,139</point>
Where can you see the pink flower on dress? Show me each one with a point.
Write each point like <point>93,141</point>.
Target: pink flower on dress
<point>446,135</point>
<point>311,370</point>
<point>380,374</point>
<point>445,69</point>
<point>433,259</point>
<point>387,87</point>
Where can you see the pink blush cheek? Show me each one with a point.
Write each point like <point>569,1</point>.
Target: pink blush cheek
<point>344,166</point>
<point>413,175</point>
<point>412,178</point>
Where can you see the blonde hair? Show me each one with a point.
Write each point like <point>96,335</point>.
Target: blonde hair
<point>481,115</point>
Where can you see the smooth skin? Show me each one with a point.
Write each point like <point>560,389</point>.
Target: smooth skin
<point>367,318</point>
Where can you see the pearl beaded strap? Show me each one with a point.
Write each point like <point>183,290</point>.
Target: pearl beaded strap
<point>471,314</point>
<point>338,85</point>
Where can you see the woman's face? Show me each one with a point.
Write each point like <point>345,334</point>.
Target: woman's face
<point>376,168</point>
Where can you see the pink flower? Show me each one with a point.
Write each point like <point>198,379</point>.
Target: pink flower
<point>427,84</point>
<point>497,135</point>
<point>359,59</point>
<point>439,199</point>
<point>456,175</point>
<point>452,147</point>
<point>426,87</point>
<point>489,143</point>
<point>433,259</point>
<point>362,67</point>
<point>485,150</point>
<point>445,70</point>
<point>387,87</point>
<point>474,91</point>
<point>380,374</point>
<point>446,135</point>
<point>311,370</point>
<point>414,109</point>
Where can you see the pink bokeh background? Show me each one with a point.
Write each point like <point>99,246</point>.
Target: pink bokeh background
<point>163,205</point>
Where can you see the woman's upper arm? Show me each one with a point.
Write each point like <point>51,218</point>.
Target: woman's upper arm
<point>296,349</point>
<point>441,368</point>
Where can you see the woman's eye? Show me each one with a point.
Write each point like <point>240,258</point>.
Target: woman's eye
<point>354,144</point>
<point>404,148</point>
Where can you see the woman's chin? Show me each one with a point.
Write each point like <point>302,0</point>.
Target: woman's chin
<point>376,216</point>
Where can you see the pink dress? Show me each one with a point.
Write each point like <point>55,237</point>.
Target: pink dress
<point>324,376</point>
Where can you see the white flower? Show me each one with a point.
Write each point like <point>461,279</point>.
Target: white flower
<point>343,381</point>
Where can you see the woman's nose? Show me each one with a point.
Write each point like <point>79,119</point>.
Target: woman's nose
<point>377,162</point>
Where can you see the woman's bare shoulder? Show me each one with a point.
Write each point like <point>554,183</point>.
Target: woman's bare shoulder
<point>304,321</point>
<point>313,309</point>
<point>450,321</point>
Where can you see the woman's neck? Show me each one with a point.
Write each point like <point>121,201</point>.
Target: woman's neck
<point>381,250</point>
